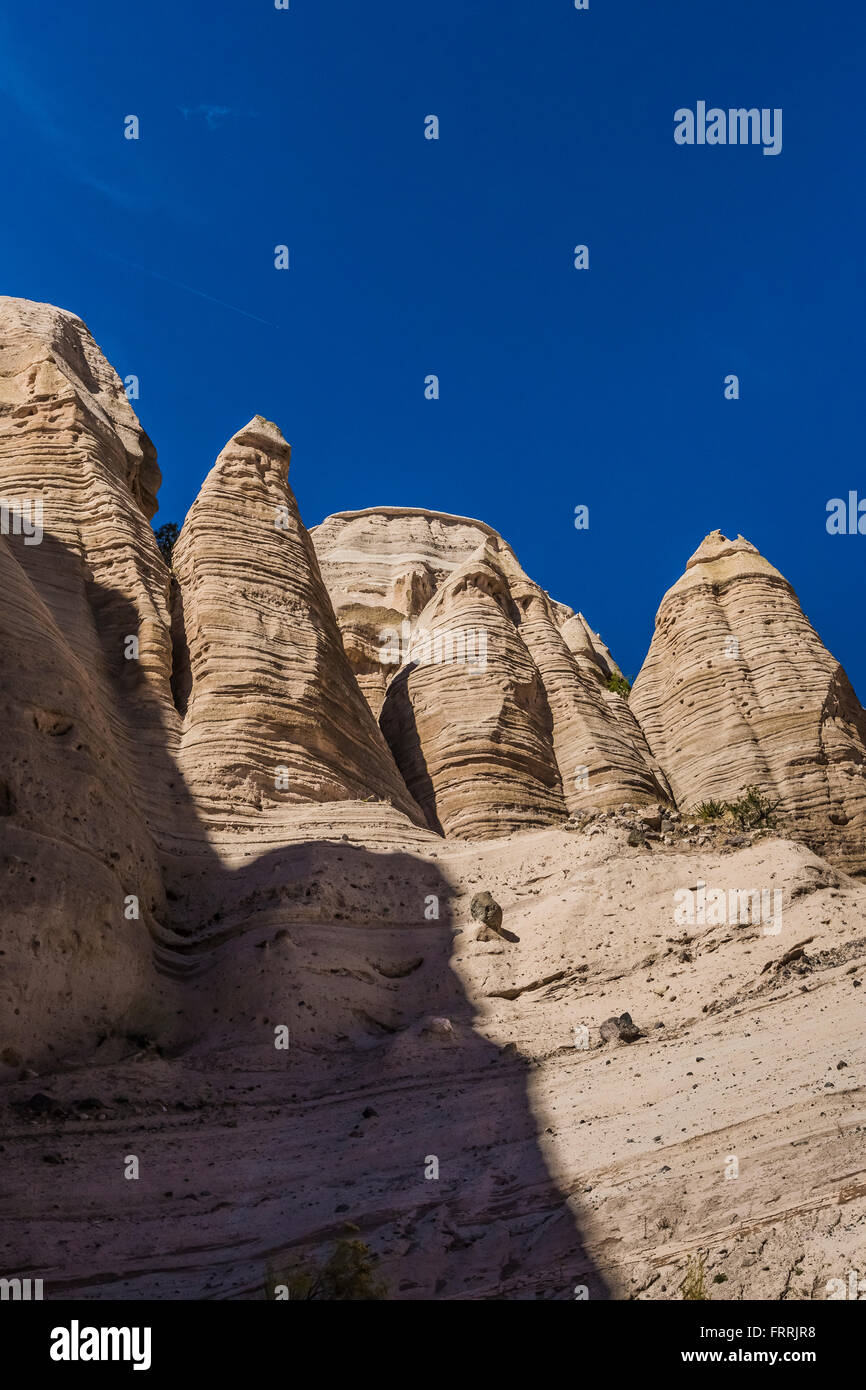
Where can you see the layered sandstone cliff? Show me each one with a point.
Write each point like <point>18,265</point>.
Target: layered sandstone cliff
<point>492,696</point>
<point>134,736</point>
<point>165,730</point>
<point>739,690</point>
<point>86,708</point>
<point>272,713</point>
<point>205,838</point>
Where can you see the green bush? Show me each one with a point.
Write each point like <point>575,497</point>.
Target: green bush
<point>166,536</point>
<point>620,686</point>
<point>347,1276</point>
<point>751,811</point>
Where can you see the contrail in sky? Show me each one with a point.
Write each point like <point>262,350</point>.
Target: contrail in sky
<point>178,284</point>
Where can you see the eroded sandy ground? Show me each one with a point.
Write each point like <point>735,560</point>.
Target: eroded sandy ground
<point>561,1165</point>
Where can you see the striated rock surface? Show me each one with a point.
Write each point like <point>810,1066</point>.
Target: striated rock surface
<point>467,714</point>
<point>69,441</point>
<point>601,753</point>
<point>738,689</point>
<point>84,729</point>
<point>522,734</point>
<point>326,909</point>
<point>272,713</point>
<point>381,568</point>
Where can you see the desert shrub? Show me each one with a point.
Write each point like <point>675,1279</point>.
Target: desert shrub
<point>347,1276</point>
<point>166,536</point>
<point>694,1286</point>
<point>751,811</point>
<point>620,686</point>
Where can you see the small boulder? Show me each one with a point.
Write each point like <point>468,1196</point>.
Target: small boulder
<point>438,1027</point>
<point>486,910</point>
<point>620,1029</point>
<point>39,1104</point>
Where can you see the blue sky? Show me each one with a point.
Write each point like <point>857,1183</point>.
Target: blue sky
<point>261,127</point>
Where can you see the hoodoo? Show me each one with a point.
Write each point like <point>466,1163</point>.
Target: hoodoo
<point>738,690</point>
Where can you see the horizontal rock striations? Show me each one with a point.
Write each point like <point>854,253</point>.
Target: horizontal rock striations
<point>176,741</point>
<point>738,690</point>
<point>601,753</point>
<point>87,716</point>
<point>208,847</point>
<point>273,715</point>
<point>381,568</point>
<point>467,715</point>
<point>498,714</point>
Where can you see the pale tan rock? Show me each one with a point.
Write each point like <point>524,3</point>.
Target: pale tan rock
<point>601,753</point>
<point>467,716</point>
<point>273,715</point>
<point>85,731</point>
<point>738,689</point>
<point>381,568</point>
<point>344,921</point>
<point>69,438</point>
<point>585,645</point>
<point>545,672</point>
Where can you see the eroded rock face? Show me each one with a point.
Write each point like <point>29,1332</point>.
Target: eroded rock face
<point>106,853</point>
<point>467,715</point>
<point>522,733</point>
<point>273,714</point>
<point>738,690</point>
<point>601,753</point>
<point>327,909</point>
<point>177,741</point>
<point>381,569</point>
<point>85,731</point>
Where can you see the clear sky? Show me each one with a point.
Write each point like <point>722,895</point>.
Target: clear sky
<point>261,127</point>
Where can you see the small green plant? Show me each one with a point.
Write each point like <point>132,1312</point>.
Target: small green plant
<point>347,1276</point>
<point>720,1279</point>
<point>166,536</point>
<point>694,1286</point>
<point>751,811</point>
<point>620,686</point>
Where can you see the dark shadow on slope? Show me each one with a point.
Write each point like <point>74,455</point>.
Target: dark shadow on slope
<point>350,950</point>
<point>181,670</point>
<point>398,724</point>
